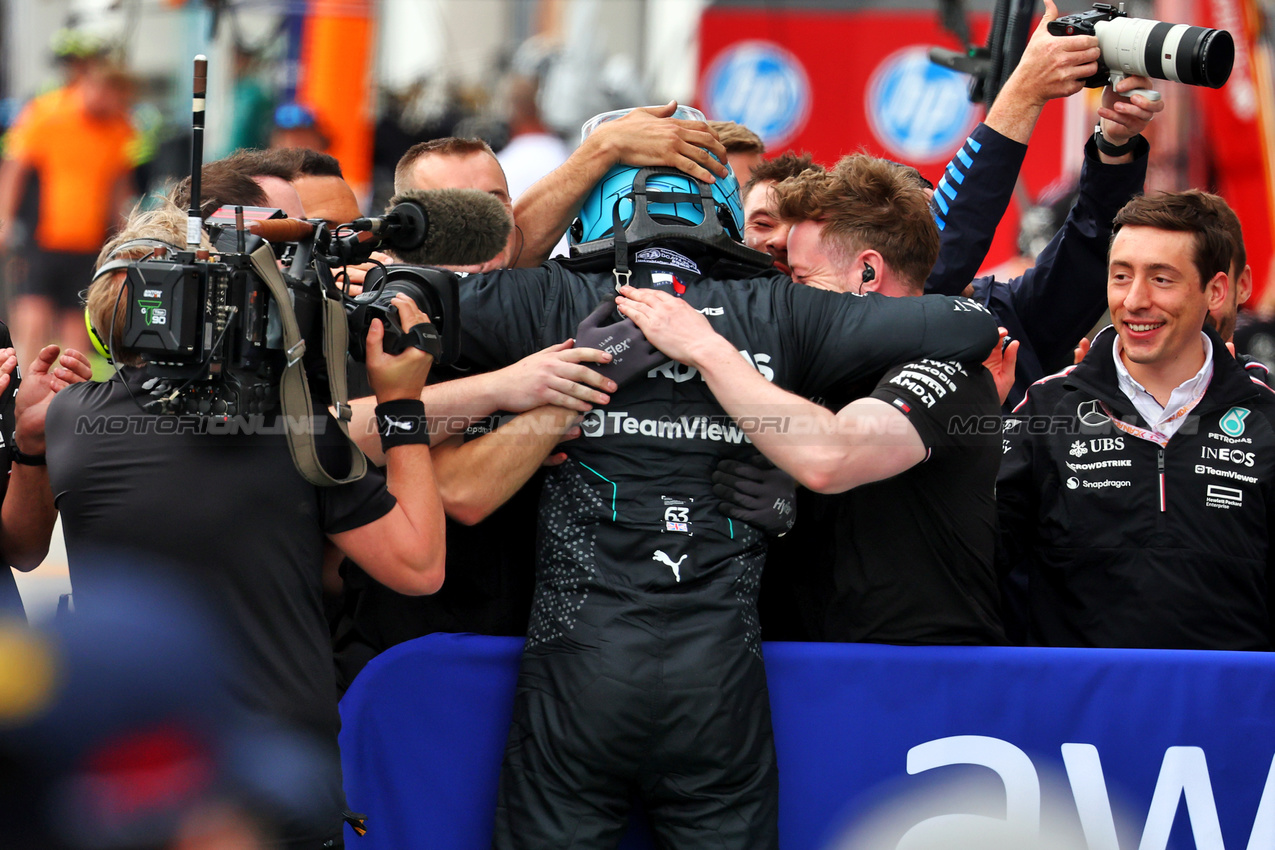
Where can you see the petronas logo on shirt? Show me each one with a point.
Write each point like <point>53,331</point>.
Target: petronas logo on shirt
<point>1232,423</point>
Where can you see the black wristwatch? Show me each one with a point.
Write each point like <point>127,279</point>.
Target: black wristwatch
<point>1107,147</point>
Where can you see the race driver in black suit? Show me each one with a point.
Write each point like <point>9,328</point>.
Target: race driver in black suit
<point>642,674</point>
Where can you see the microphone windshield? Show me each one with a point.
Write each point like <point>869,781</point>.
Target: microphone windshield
<point>466,227</point>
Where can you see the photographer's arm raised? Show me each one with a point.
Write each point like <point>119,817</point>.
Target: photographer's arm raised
<point>1051,67</point>
<point>405,548</point>
<point>647,136</point>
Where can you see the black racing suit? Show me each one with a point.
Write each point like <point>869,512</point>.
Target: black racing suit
<point>642,674</point>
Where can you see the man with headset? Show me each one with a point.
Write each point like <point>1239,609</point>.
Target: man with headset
<point>229,512</point>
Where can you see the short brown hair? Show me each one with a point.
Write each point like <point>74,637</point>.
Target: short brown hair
<point>230,180</point>
<point>1192,211</point>
<point>304,162</point>
<point>106,309</point>
<point>449,146</point>
<point>867,203</point>
<point>782,167</point>
<point>1231,221</point>
<point>737,138</point>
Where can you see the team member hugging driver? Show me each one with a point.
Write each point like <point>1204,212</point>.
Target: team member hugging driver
<point>230,513</point>
<point>642,673</point>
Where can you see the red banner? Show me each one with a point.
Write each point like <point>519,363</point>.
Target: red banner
<point>1237,143</point>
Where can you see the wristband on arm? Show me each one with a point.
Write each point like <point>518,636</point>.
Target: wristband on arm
<point>1109,148</point>
<point>26,459</point>
<point>402,423</point>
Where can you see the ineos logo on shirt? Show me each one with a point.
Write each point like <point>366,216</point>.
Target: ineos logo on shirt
<point>1236,456</point>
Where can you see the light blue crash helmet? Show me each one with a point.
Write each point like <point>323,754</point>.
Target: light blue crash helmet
<point>669,203</point>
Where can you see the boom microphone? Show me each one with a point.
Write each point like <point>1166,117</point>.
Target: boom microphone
<point>442,227</point>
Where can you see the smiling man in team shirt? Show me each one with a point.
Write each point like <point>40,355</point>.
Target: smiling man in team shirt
<point>1142,512</point>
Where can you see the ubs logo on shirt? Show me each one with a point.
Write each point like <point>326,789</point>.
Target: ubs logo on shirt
<point>1080,448</point>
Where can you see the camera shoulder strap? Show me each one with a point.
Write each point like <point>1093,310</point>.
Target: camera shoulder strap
<point>294,392</point>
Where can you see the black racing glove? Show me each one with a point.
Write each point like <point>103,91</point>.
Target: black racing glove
<point>757,492</point>
<point>631,354</point>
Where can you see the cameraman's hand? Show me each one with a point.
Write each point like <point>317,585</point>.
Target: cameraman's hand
<point>650,136</point>
<point>52,371</point>
<point>350,279</point>
<point>1123,117</point>
<point>403,375</point>
<point>1051,67</point>
<point>556,375</point>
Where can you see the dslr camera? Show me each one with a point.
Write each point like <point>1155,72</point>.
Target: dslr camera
<point>1197,56</point>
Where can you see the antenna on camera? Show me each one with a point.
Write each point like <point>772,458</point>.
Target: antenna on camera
<point>194,218</point>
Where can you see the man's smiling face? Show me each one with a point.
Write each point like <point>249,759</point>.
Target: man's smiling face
<point>1155,294</point>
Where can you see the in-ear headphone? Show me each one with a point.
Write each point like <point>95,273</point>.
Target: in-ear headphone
<point>869,273</point>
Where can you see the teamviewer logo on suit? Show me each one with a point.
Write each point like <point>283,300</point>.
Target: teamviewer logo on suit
<point>918,110</point>
<point>762,86</point>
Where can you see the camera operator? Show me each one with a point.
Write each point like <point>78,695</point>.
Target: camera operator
<point>251,178</point>
<point>230,512</point>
